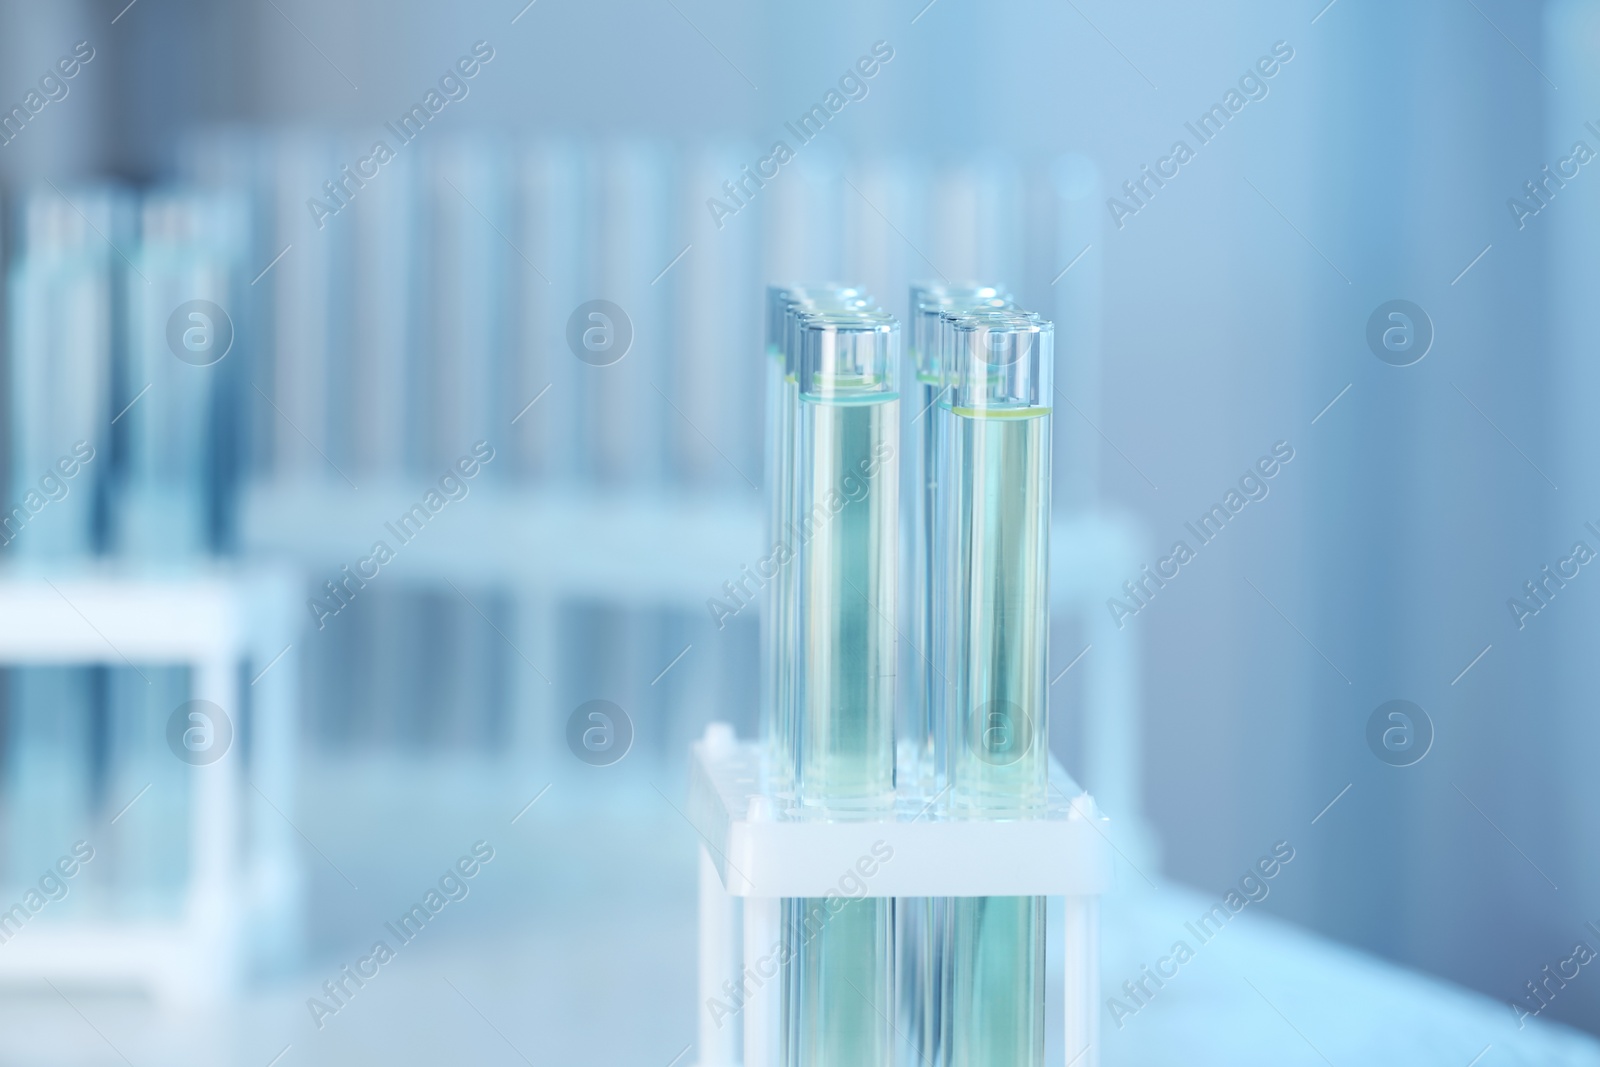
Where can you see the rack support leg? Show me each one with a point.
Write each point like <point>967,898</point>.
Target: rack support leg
<point>1082,985</point>
<point>719,964</point>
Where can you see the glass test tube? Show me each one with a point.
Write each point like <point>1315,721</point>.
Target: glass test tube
<point>923,723</point>
<point>922,726</point>
<point>843,981</point>
<point>190,248</point>
<point>775,464</point>
<point>994,982</point>
<point>62,333</point>
<point>784,309</point>
<point>994,557</point>
<point>993,612</point>
<point>846,512</point>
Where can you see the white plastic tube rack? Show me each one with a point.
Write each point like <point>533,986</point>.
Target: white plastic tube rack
<point>755,851</point>
<point>243,900</point>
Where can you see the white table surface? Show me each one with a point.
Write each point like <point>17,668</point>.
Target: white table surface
<point>577,946</point>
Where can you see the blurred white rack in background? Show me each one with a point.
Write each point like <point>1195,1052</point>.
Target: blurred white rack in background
<point>676,550</point>
<point>637,546</point>
<point>244,888</point>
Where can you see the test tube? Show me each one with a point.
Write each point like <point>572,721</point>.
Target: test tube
<point>846,510</point>
<point>993,614</point>
<point>785,308</point>
<point>774,468</point>
<point>922,722</point>
<point>994,557</point>
<point>843,981</point>
<point>994,982</point>
<point>180,301</point>
<point>62,333</point>
<point>846,523</point>
<point>921,918</point>
<point>782,403</point>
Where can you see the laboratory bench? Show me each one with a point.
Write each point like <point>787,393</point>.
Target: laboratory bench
<point>566,952</point>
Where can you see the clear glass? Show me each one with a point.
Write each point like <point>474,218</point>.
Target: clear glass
<point>922,920</point>
<point>188,252</point>
<point>842,973</point>
<point>778,459</point>
<point>919,942</point>
<point>842,383</point>
<point>785,307</point>
<point>843,512</point>
<point>847,516</point>
<point>992,608</point>
<point>922,720</point>
<point>926,303</point>
<point>994,982</point>
<point>771,467</point>
<point>996,358</point>
<point>63,286</point>
<point>775,619</point>
<point>993,551</point>
<point>995,557</point>
<point>839,986</point>
<point>788,710</point>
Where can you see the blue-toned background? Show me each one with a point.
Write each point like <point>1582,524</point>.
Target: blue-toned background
<point>1232,310</point>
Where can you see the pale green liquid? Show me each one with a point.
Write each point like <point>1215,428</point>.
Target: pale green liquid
<point>839,989</point>
<point>847,511</point>
<point>922,919</point>
<point>924,719</point>
<point>785,402</point>
<point>772,464</point>
<point>994,610</point>
<point>842,983</point>
<point>919,941</point>
<point>994,982</point>
<point>997,615</point>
